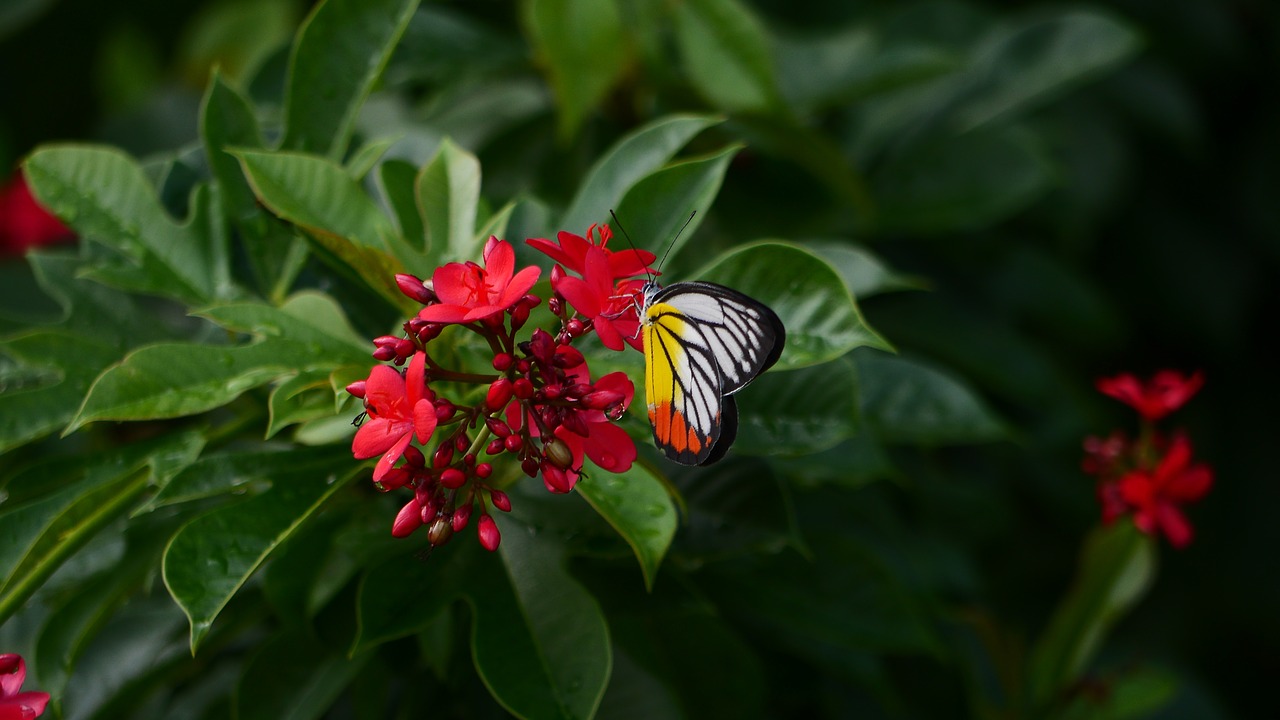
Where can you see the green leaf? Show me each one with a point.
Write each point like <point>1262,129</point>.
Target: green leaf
<point>337,58</point>
<point>293,676</point>
<point>173,380</point>
<point>363,160</point>
<point>305,396</point>
<point>631,159</point>
<point>864,273</point>
<point>658,206</point>
<point>964,182</point>
<point>211,557</point>
<point>390,586</point>
<point>638,506</point>
<point>396,181</point>
<point>104,196</point>
<point>1137,693</point>
<point>275,254</point>
<point>319,196</point>
<point>907,401</point>
<point>38,535</point>
<point>798,413</point>
<point>583,48</point>
<point>226,472</point>
<point>1117,565</point>
<point>727,55</point>
<point>1052,52</point>
<point>448,192</point>
<point>540,641</point>
<point>821,318</point>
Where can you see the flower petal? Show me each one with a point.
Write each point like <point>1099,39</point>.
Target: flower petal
<point>456,283</point>
<point>499,264</point>
<point>390,457</point>
<point>580,296</point>
<point>609,447</point>
<point>519,286</point>
<point>416,378</point>
<point>13,671</point>
<point>1174,525</point>
<point>444,313</point>
<point>424,420</point>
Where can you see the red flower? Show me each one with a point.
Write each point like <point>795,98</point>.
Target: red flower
<point>15,704</point>
<point>612,309</point>
<point>1165,392</point>
<point>572,252</point>
<point>608,446</point>
<point>1155,494</point>
<point>24,224</point>
<point>469,292</point>
<point>398,407</point>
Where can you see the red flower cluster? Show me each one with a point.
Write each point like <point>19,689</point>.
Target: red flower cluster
<point>14,703</point>
<point>541,406</point>
<point>24,224</point>
<point>1152,476</point>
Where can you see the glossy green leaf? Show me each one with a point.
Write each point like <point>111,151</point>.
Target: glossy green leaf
<point>319,196</point>
<point>540,641</point>
<point>228,472</point>
<point>338,56</point>
<point>1117,566</point>
<point>396,180</point>
<point>172,380</point>
<point>800,412</point>
<point>39,535</point>
<point>366,157</point>
<point>656,208</point>
<point>638,506</point>
<point>864,273</point>
<point>1136,693</point>
<point>405,580</point>
<point>742,508</point>
<point>303,397</point>
<point>908,401</point>
<point>211,557</point>
<point>584,50</point>
<point>726,52</point>
<point>448,192</point>
<point>963,182</point>
<point>1052,53</point>
<point>103,194</point>
<point>275,253</point>
<point>295,676</point>
<point>631,159</point>
<point>822,320</point>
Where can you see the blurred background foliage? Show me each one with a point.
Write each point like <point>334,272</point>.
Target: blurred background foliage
<point>1064,191</point>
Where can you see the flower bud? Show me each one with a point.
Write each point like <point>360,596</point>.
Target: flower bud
<point>555,304</point>
<point>523,388</point>
<point>574,327</point>
<point>497,426</point>
<point>442,457</point>
<point>414,289</point>
<point>413,456</point>
<point>484,470</point>
<point>551,392</point>
<point>576,424</point>
<point>519,316</point>
<point>461,517</point>
<point>567,357</point>
<point>499,395</point>
<point>558,452</point>
<point>384,353</point>
<point>542,346</point>
<point>489,535</point>
<point>513,443</point>
<point>503,361</point>
<point>530,467</point>
<point>430,332</point>
<point>407,520</point>
<point>555,479</point>
<point>404,348</point>
<point>440,531</point>
<point>495,446</point>
<point>500,500</point>
<point>357,389</point>
<point>395,478</point>
<point>462,442</point>
<point>601,399</point>
<point>444,410</point>
<point>531,301</point>
<point>453,478</point>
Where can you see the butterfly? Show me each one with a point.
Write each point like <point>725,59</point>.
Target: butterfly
<point>702,343</point>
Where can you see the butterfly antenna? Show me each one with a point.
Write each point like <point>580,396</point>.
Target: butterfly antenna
<point>627,235</point>
<point>674,239</point>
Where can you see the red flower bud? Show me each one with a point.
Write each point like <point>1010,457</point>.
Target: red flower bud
<point>489,535</point>
<point>503,361</point>
<point>555,479</point>
<point>555,304</point>
<point>531,301</point>
<point>415,289</point>
<point>453,478</point>
<point>497,427</point>
<point>523,388</point>
<point>404,347</point>
<point>484,470</point>
<point>542,346</point>
<point>384,353</point>
<point>430,332</point>
<point>443,456</point>
<point>444,410</point>
<point>413,456</point>
<point>396,478</point>
<point>530,467</point>
<point>513,443</point>
<point>357,389</point>
<point>519,316</point>
<point>601,399</point>
<point>576,424</point>
<point>495,446</point>
<point>500,500</point>
<point>574,327</point>
<point>462,442</point>
<point>461,517</point>
<point>407,520</point>
<point>500,391</point>
<point>567,357</point>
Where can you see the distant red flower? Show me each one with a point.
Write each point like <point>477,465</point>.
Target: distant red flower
<point>571,252</point>
<point>1154,495</point>
<point>24,224</point>
<point>13,703</point>
<point>398,408</point>
<point>1165,392</point>
<point>470,292</point>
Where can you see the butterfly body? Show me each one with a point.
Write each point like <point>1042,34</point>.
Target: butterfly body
<point>703,342</point>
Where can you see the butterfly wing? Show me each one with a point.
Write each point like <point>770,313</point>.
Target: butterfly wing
<point>703,342</point>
